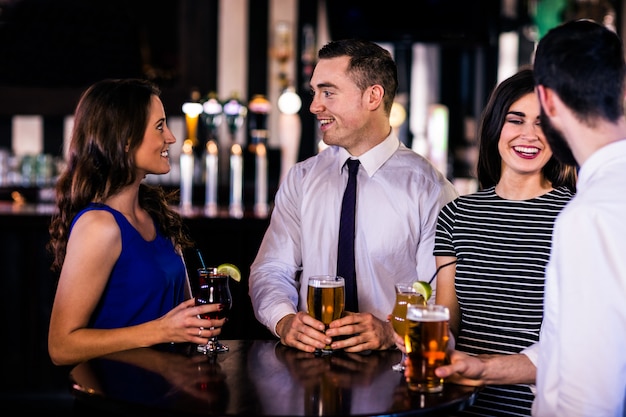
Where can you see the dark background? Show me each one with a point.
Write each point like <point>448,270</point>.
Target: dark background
<point>50,50</point>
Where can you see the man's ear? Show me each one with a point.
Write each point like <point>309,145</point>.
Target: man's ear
<point>546,99</point>
<point>375,95</point>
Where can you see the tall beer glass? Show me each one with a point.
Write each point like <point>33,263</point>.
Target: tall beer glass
<point>426,341</point>
<point>326,300</point>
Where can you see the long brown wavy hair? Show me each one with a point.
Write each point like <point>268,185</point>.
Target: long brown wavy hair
<point>110,115</point>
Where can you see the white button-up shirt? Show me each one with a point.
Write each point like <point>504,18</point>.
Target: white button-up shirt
<point>399,195</point>
<point>581,366</point>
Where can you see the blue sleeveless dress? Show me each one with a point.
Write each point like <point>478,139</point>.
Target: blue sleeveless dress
<point>147,281</point>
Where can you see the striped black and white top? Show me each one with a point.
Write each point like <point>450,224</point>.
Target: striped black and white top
<point>503,247</point>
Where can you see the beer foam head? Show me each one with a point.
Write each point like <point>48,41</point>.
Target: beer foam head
<point>326,281</point>
<point>431,312</point>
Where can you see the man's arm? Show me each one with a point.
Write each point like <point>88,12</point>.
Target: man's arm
<point>488,369</point>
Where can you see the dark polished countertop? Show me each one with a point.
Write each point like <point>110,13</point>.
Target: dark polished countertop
<point>256,377</point>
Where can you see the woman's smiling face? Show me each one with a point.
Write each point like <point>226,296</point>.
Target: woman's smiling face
<point>152,156</point>
<point>522,144</point>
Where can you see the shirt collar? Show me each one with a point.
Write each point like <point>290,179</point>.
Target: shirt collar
<point>602,157</point>
<point>375,157</point>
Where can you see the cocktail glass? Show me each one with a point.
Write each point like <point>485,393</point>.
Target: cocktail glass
<point>405,294</point>
<point>213,289</point>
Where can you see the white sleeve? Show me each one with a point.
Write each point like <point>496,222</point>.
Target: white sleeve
<point>532,352</point>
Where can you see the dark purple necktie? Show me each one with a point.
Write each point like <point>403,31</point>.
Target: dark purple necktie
<point>345,254</point>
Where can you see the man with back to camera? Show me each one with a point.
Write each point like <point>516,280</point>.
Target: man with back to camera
<point>581,354</point>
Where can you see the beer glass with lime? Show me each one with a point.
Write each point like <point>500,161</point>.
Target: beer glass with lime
<point>405,294</point>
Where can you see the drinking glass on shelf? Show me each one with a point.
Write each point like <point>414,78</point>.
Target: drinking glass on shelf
<point>405,294</point>
<point>326,300</point>
<point>213,289</point>
<point>426,344</point>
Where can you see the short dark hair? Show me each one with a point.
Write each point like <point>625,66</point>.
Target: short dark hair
<point>583,62</point>
<point>370,64</point>
<point>489,168</point>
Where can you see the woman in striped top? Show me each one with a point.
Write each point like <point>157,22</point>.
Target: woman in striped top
<point>500,237</point>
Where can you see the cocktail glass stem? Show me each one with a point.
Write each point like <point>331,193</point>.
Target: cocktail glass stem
<point>212,346</point>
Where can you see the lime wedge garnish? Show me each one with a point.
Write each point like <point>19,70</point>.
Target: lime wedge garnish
<point>230,270</point>
<point>423,288</point>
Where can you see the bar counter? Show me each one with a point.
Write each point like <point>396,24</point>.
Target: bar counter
<point>27,286</point>
<point>254,378</point>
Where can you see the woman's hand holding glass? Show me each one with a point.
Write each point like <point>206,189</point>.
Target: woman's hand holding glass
<point>184,324</point>
<point>209,327</point>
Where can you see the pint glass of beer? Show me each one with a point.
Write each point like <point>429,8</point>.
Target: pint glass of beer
<point>326,299</point>
<point>426,341</point>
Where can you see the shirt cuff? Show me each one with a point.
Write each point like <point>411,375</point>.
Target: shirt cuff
<point>532,352</point>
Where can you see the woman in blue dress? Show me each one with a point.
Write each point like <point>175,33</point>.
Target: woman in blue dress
<point>115,240</point>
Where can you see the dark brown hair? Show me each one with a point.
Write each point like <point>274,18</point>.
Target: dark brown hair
<point>370,64</point>
<point>489,167</point>
<point>109,124</point>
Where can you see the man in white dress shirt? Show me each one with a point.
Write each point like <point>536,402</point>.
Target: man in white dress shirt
<point>399,195</point>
